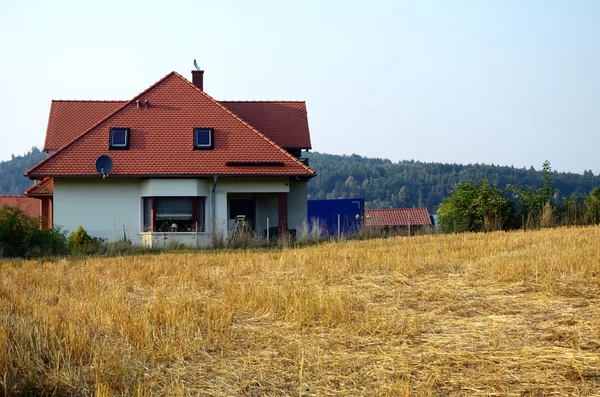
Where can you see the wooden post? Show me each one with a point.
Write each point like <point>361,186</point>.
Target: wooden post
<point>282,213</point>
<point>45,204</point>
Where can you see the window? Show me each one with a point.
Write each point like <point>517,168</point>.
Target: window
<point>119,138</point>
<point>203,139</point>
<point>174,214</point>
<point>148,214</point>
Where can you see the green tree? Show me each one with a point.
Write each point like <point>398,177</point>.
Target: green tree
<point>591,210</point>
<point>457,213</point>
<point>12,180</point>
<point>535,204</point>
<point>547,191</point>
<point>492,207</point>
<point>474,207</point>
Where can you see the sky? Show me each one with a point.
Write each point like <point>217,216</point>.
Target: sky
<point>496,82</point>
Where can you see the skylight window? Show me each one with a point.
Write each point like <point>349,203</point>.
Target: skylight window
<point>119,138</point>
<point>203,139</point>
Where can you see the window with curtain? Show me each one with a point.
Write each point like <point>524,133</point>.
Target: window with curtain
<point>174,214</point>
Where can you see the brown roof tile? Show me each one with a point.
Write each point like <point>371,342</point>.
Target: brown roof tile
<point>161,142</point>
<point>31,206</point>
<point>397,217</point>
<point>68,119</point>
<point>285,122</point>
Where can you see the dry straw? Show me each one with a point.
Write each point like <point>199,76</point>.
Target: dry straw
<point>475,314</point>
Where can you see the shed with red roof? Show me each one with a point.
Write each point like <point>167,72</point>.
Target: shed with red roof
<point>398,219</point>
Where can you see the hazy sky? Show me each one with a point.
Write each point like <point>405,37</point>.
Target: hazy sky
<point>503,82</point>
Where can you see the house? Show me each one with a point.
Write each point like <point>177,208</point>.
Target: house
<point>185,167</point>
<point>398,220</point>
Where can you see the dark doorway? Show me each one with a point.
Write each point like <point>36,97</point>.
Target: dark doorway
<point>243,206</point>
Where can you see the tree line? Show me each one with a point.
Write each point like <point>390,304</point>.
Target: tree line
<point>408,183</point>
<point>477,207</point>
<point>12,181</point>
<point>381,182</point>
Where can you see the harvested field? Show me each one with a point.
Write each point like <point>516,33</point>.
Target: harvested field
<point>475,314</point>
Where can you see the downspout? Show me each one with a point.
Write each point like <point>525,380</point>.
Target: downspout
<point>213,205</point>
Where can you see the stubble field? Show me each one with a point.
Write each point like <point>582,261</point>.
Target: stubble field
<point>475,314</point>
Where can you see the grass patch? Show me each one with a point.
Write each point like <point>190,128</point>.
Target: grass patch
<point>477,314</point>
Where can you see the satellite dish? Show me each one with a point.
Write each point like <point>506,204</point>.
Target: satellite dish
<point>104,165</point>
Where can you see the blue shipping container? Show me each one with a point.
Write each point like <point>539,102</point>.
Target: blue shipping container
<point>349,212</point>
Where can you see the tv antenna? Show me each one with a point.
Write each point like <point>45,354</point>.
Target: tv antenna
<point>196,65</point>
<point>104,165</point>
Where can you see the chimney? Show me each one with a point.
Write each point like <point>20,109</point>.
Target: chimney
<point>198,78</point>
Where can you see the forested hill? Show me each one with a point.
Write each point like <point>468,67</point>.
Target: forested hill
<point>384,184</point>
<point>12,180</point>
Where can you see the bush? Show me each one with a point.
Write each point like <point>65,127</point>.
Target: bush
<point>20,235</point>
<point>49,242</point>
<point>124,247</point>
<point>81,242</point>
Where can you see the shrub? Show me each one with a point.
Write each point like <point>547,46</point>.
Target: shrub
<point>20,235</point>
<point>16,229</point>
<point>124,247</point>
<point>81,242</point>
<point>49,242</point>
<point>79,238</point>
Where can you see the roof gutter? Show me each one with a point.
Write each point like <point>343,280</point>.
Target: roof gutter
<point>164,176</point>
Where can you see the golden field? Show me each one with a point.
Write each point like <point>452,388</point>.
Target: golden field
<point>474,314</point>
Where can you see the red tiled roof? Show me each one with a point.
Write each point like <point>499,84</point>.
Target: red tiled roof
<point>161,142</point>
<point>68,119</point>
<point>43,188</point>
<point>397,217</point>
<point>285,122</point>
<point>31,206</point>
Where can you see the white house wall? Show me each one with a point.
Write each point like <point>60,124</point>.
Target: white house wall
<point>220,221</point>
<point>266,207</point>
<point>227,185</point>
<point>105,207</point>
<point>175,187</point>
<point>253,185</point>
<point>297,204</point>
<point>102,207</point>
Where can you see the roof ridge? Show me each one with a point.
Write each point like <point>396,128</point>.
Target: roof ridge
<point>249,126</point>
<point>262,101</point>
<point>395,209</point>
<point>99,122</point>
<point>14,195</point>
<point>89,100</point>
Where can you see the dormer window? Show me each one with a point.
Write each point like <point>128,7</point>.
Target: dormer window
<point>203,139</point>
<point>119,138</point>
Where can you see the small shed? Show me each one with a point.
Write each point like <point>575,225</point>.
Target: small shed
<point>30,206</point>
<point>398,220</point>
